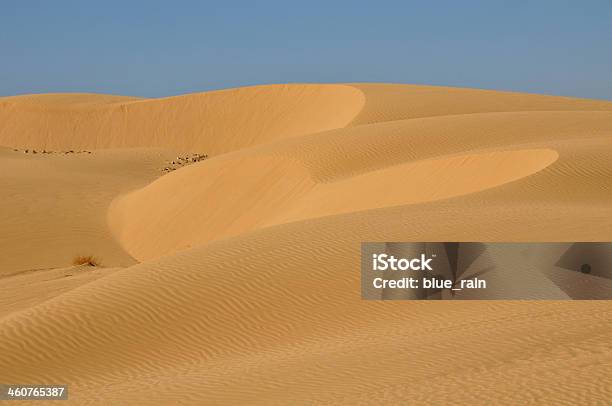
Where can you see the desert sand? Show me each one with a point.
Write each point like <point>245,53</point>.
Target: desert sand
<point>234,278</point>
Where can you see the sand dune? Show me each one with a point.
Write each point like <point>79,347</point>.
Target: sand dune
<point>214,122</point>
<point>235,279</point>
<point>276,191</point>
<point>54,205</point>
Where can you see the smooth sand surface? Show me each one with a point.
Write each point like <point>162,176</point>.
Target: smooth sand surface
<point>235,279</point>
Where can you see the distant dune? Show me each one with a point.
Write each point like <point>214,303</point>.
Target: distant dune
<point>228,225</point>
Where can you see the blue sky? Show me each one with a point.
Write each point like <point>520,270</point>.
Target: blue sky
<point>159,48</point>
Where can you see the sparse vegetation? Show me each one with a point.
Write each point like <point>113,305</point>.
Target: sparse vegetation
<point>44,151</point>
<point>88,260</point>
<point>181,161</point>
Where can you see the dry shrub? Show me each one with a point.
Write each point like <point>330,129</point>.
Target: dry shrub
<point>88,260</point>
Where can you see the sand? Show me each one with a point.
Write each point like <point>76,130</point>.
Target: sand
<point>235,279</point>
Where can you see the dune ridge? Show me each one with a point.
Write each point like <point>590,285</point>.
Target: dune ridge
<point>214,122</point>
<point>235,279</point>
<point>282,192</point>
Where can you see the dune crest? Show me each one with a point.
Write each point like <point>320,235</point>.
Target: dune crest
<point>212,122</point>
<point>195,206</point>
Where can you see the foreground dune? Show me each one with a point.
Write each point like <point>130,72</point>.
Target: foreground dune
<point>235,279</point>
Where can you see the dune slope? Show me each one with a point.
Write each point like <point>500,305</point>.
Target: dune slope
<point>212,123</point>
<point>54,205</point>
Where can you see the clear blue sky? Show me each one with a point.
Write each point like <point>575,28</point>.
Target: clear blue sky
<point>158,48</point>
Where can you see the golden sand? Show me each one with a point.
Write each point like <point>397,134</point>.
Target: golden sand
<point>235,279</point>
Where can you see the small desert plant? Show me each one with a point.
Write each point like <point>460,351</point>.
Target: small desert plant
<point>88,260</point>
